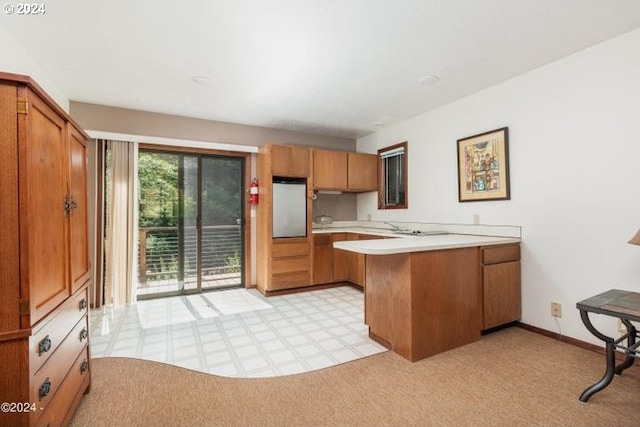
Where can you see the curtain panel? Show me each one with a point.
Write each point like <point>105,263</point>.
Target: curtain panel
<point>121,229</point>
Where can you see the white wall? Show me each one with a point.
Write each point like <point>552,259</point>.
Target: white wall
<point>14,59</point>
<point>574,130</point>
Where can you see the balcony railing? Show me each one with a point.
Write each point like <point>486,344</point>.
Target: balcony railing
<point>168,261</point>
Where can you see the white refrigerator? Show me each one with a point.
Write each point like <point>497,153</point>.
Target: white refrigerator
<point>289,208</point>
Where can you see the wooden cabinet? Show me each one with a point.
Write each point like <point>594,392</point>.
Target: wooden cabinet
<point>290,161</point>
<point>336,265</point>
<point>362,172</point>
<point>282,263</point>
<point>329,170</point>
<point>44,256</point>
<point>422,303</point>
<point>290,265</point>
<point>322,259</point>
<point>344,171</point>
<point>357,262</point>
<point>501,287</point>
<point>340,258</point>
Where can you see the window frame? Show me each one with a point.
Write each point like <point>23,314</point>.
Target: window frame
<point>383,184</point>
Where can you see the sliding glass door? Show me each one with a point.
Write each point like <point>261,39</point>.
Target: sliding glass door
<point>191,225</point>
<point>222,223</point>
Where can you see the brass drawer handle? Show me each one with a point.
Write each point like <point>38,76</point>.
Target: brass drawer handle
<point>83,304</point>
<point>44,345</point>
<point>84,334</point>
<point>45,388</point>
<point>84,366</point>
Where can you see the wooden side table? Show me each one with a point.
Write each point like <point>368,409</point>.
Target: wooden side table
<point>624,305</point>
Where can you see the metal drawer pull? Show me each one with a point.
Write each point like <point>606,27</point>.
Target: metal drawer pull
<point>45,388</point>
<point>84,366</point>
<point>83,304</point>
<point>44,345</point>
<point>84,334</point>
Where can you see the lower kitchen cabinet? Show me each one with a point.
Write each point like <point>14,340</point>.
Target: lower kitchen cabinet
<point>336,265</point>
<point>340,259</point>
<point>322,259</point>
<point>501,285</point>
<point>290,266</point>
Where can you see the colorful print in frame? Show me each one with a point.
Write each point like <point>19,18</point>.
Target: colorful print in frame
<point>483,166</point>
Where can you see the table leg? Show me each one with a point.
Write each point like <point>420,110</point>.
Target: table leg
<point>610,356</point>
<point>631,340</point>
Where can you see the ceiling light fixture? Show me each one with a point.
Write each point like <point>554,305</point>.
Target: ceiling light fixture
<point>428,79</point>
<point>202,80</point>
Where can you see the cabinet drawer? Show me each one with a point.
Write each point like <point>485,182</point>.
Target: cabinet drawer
<point>498,254</point>
<point>55,328</point>
<point>289,265</point>
<point>293,280</point>
<point>321,239</point>
<point>75,383</point>
<point>49,378</point>
<point>282,250</point>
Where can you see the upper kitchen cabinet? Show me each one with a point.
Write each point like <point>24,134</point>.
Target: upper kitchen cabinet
<point>344,171</point>
<point>290,161</point>
<point>362,172</point>
<point>329,170</point>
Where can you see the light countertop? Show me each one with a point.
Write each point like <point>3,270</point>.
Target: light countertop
<point>405,244</point>
<point>357,229</point>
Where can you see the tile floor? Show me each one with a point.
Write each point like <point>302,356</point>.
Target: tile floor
<point>239,333</point>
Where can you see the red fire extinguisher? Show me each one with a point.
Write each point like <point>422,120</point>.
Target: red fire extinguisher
<point>253,192</point>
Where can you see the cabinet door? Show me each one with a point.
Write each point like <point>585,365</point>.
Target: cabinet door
<point>340,264</point>
<point>355,263</point>
<point>322,259</point>
<point>43,173</point>
<point>362,172</point>
<point>10,220</point>
<point>501,294</point>
<point>79,265</point>
<point>290,161</point>
<point>329,170</point>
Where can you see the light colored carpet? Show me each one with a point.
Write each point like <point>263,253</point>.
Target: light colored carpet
<point>511,377</point>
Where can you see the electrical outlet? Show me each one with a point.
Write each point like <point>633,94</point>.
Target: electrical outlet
<point>556,309</point>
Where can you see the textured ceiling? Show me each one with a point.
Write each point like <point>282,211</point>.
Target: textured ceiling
<point>333,67</point>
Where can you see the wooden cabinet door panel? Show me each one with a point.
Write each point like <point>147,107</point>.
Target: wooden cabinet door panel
<point>355,264</point>
<point>289,265</point>
<point>290,161</point>
<point>9,212</point>
<point>43,178</point>
<point>362,172</point>
<point>340,264</point>
<point>501,253</point>
<point>79,263</point>
<point>329,170</point>
<point>502,294</point>
<point>290,280</point>
<point>322,263</point>
<point>283,250</point>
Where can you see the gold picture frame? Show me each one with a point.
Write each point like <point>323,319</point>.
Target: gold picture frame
<point>483,166</point>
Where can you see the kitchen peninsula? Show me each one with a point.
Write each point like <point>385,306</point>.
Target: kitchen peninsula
<point>429,294</point>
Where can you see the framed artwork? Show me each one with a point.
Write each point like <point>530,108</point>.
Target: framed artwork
<point>483,166</point>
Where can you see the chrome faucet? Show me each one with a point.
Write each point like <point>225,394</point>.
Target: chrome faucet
<point>395,227</point>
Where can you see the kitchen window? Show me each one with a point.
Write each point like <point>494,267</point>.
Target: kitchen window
<point>392,167</point>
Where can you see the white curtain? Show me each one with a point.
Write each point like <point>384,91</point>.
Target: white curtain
<point>121,241</point>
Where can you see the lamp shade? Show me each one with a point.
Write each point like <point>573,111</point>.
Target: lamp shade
<point>635,240</point>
